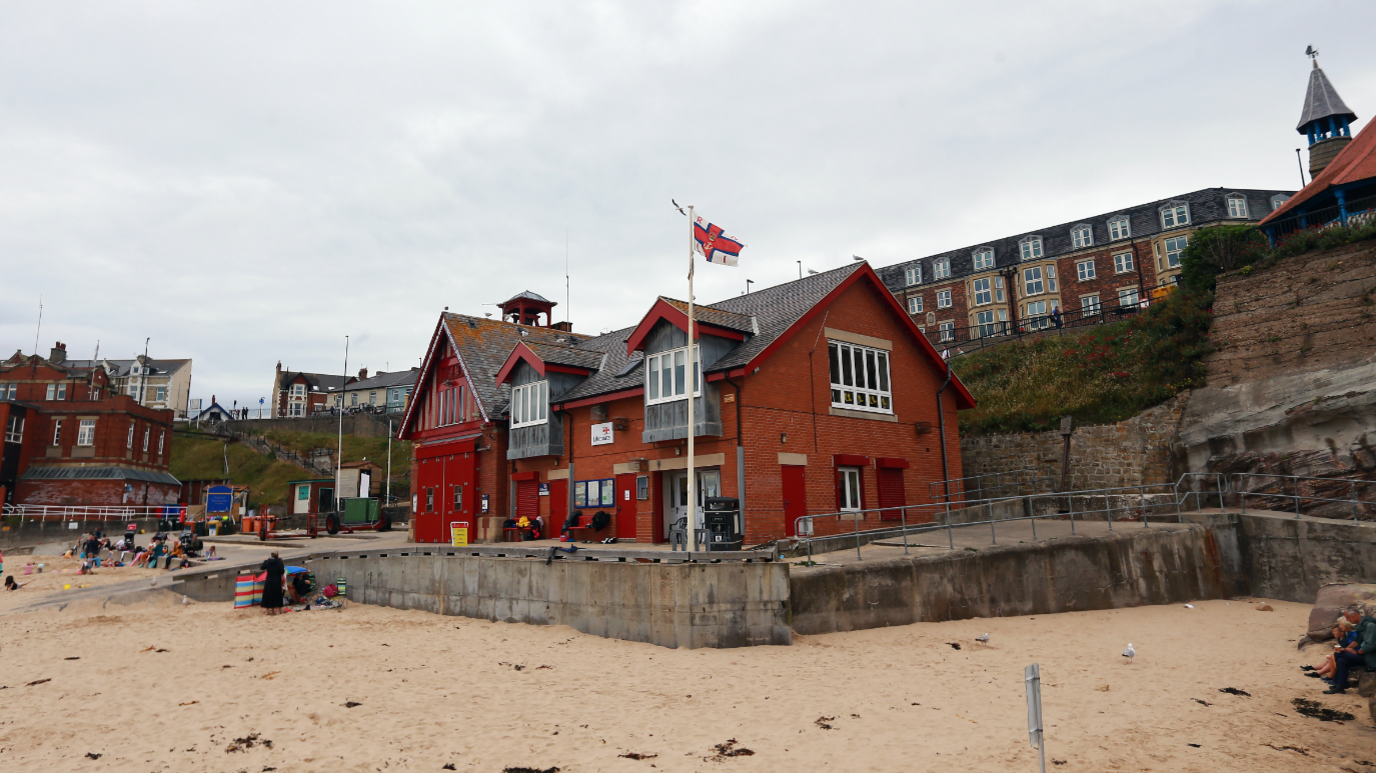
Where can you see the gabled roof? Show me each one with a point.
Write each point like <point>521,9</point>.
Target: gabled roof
<point>1354,163</point>
<point>319,382</point>
<point>544,357</point>
<point>708,320</point>
<point>1321,100</point>
<point>19,359</point>
<point>120,368</point>
<point>385,380</point>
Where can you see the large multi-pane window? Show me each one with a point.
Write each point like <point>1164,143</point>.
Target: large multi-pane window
<point>129,442</point>
<point>1031,247</point>
<point>1237,206</point>
<point>1032,281</point>
<point>984,259</point>
<point>941,269</point>
<point>14,431</point>
<point>1118,228</point>
<point>1082,236</point>
<point>984,292</point>
<point>860,377</point>
<point>915,304</point>
<point>1085,269</point>
<point>1174,247</point>
<point>1127,296</point>
<point>948,331</point>
<point>666,376</point>
<point>849,492</point>
<point>992,322</point>
<point>57,432</point>
<point>1122,263</point>
<point>913,276</point>
<point>530,404</point>
<point>1175,215</point>
<point>86,432</point>
<point>57,391</point>
<point>943,299</point>
<point>1089,304</point>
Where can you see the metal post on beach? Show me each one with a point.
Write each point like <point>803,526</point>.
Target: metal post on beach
<point>692,388</point>
<point>903,515</point>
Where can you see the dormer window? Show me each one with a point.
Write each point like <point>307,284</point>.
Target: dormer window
<point>1030,247</point>
<point>984,259</point>
<point>1237,206</point>
<point>1119,228</point>
<point>1081,236</point>
<point>1175,215</point>
<point>666,376</point>
<point>530,404</point>
<point>913,276</point>
<point>1278,200</point>
<point>941,268</point>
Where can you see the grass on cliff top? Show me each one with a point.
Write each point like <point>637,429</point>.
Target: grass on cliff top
<point>1099,374</point>
<point>204,457</point>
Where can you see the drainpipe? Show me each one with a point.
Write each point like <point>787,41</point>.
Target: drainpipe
<point>740,454</point>
<point>941,424</point>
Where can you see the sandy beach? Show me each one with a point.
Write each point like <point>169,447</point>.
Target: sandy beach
<point>160,685</point>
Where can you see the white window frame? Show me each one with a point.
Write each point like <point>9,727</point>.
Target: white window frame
<point>984,259</point>
<point>86,432</point>
<point>947,329</point>
<point>1128,292</point>
<point>870,389</point>
<point>941,268</point>
<point>991,322</point>
<point>14,431</point>
<point>1278,201</point>
<point>1032,283</point>
<point>162,436</point>
<point>1030,248</point>
<point>372,398</point>
<point>159,394</point>
<point>298,390</point>
<point>1123,263</point>
<point>1084,269</point>
<point>529,404</point>
<point>852,489</point>
<point>915,304</point>
<point>1119,228</point>
<point>982,291</point>
<point>57,432</point>
<point>1175,215</point>
<point>147,431</point>
<point>943,299</point>
<point>1173,255</point>
<point>1240,211</point>
<point>913,275</point>
<point>129,442</point>
<point>676,358</point>
<point>13,391</point>
<point>1089,304</point>
<point>1082,236</point>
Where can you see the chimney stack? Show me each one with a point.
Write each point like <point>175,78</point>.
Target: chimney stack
<point>58,353</point>
<point>565,326</point>
<point>362,373</point>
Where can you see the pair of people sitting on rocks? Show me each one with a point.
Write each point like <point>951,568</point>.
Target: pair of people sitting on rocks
<point>1355,648</point>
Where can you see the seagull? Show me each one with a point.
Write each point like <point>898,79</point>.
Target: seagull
<point>1129,653</point>
<point>982,639</point>
<point>185,600</point>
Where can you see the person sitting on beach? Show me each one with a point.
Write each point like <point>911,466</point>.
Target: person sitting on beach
<point>1363,656</point>
<point>141,557</point>
<point>298,587</point>
<point>1345,638</point>
<point>10,584</point>
<point>87,567</point>
<point>177,552</point>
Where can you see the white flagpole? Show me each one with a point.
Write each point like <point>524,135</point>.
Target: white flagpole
<point>692,360</point>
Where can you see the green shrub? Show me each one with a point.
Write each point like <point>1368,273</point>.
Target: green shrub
<point>1213,251</point>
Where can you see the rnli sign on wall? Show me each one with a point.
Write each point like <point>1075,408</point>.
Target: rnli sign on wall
<point>602,434</point>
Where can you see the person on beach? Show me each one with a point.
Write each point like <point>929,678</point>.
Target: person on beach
<point>10,584</point>
<point>272,586</point>
<point>298,587</point>
<point>1345,636</point>
<point>1364,656</point>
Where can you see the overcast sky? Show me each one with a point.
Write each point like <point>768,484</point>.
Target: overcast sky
<point>246,182</point>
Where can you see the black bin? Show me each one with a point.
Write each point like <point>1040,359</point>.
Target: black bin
<point>722,518</point>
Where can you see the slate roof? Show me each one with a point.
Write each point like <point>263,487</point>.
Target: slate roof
<point>1206,205</point>
<point>320,382</point>
<point>99,473</point>
<point>486,344</point>
<point>19,359</point>
<point>1321,100</point>
<point>528,295</point>
<point>1355,163</point>
<point>565,354</point>
<point>714,315</point>
<point>385,380</point>
<point>121,367</point>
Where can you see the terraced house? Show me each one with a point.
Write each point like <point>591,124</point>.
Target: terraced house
<point>1094,267</point>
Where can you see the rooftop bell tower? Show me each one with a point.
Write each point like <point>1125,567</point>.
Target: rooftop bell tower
<point>1325,120</point>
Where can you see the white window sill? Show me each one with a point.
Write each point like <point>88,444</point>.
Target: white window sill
<point>854,414</point>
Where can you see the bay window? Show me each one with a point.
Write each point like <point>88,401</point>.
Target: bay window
<point>666,376</point>
<point>530,404</point>
<point>859,378</point>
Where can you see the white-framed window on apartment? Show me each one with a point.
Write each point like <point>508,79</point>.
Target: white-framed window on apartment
<point>992,322</point>
<point>86,432</point>
<point>1175,215</point>
<point>860,377</point>
<point>984,259</point>
<point>1122,263</point>
<point>666,376</point>
<point>1081,236</point>
<point>14,430</point>
<point>1089,304</point>
<point>1035,315</point>
<point>1127,296</point>
<point>1237,206</point>
<point>1030,248</point>
<point>353,399</point>
<point>146,432</point>
<point>298,390</point>
<point>1084,270</point>
<point>1032,283</point>
<point>12,394</point>
<point>912,275</point>
<point>1174,247</point>
<point>849,493</point>
<point>57,432</point>
<point>297,409</point>
<point>1119,228</point>
<point>941,268</point>
<point>162,437</point>
<point>160,394</point>
<point>947,330</point>
<point>372,398</point>
<point>983,290</point>
<point>1278,200</point>
<point>129,441</point>
<point>915,304</point>
<point>943,299</point>
<point>530,404</point>
<point>57,391</point>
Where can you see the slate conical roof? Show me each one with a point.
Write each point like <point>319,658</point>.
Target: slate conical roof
<point>1321,100</point>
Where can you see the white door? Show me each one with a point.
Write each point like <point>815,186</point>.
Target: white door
<point>303,499</point>
<point>676,494</point>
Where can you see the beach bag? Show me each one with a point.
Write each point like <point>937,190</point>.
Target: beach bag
<point>330,591</point>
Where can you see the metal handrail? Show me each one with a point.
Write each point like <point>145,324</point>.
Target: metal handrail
<point>980,336</point>
<point>103,513</point>
<point>961,487</point>
<point>1354,499</point>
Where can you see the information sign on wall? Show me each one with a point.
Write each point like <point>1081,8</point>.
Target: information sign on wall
<point>602,434</point>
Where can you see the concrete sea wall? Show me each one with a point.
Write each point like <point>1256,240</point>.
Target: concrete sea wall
<point>1289,559</point>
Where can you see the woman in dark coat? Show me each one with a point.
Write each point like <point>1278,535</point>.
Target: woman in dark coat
<point>272,587</point>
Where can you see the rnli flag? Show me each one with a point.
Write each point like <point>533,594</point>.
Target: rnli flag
<point>710,242</point>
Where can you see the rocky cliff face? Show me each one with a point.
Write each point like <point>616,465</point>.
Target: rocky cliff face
<point>1292,387</point>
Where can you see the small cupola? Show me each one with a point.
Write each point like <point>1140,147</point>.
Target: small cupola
<point>1326,120</point>
<point>525,308</point>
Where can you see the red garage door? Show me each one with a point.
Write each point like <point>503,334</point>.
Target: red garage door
<point>891,492</point>
<point>527,498</point>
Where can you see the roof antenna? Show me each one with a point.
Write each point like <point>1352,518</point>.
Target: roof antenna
<point>37,333</point>
<point>566,274</point>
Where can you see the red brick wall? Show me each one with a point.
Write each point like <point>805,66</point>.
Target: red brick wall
<point>94,492</point>
<point>1106,282</point>
<point>112,417</point>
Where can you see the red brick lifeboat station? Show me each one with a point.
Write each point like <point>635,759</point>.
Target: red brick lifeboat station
<point>815,397</point>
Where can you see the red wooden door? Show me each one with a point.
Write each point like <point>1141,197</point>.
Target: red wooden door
<point>891,492</point>
<point>795,495</point>
<point>527,498</point>
<point>429,526</point>
<point>558,507</point>
<point>625,506</point>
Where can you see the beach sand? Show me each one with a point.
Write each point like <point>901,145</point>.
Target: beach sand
<point>433,691</point>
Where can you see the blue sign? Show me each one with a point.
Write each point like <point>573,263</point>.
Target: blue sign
<point>219,499</point>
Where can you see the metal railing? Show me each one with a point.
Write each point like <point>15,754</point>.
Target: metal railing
<point>1236,484</point>
<point>972,338</point>
<point>103,513</point>
<point>1031,477</point>
<point>1352,213</point>
<point>1116,500</point>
